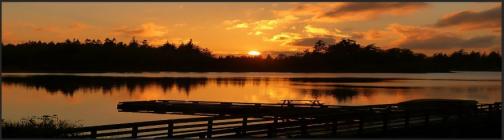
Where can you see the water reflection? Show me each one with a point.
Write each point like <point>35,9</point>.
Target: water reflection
<point>90,97</point>
<point>68,85</point>
<point>340,94</point>
<point>343,90</point>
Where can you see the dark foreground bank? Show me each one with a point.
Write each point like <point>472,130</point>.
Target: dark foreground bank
<point>46,126</point>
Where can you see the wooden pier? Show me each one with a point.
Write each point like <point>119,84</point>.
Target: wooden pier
<point>207,108</point>
<point>290,108</point>
<point>240,121</point>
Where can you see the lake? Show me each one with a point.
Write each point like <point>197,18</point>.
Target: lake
<point>91,98</point>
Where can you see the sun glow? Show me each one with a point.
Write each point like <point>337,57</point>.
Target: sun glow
<point>254,53</point>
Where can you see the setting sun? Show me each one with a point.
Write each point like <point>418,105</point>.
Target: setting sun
<point>254,53</point>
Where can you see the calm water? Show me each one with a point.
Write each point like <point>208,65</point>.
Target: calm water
<point>91,98</point>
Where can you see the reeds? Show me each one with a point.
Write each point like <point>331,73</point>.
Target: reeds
<point>45,126</point>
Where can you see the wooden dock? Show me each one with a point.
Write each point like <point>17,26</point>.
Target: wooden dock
<point>347,122</point>
<point>291,108</point>
<point>207,108</point>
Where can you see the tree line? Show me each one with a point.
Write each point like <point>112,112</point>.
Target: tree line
<point>344,56</point>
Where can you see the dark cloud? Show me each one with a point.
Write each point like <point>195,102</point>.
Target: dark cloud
<point>359,10</point>
<point>369,35</point>
<point>444,41</point>
<point>490,18</point>
<point>310,41</point>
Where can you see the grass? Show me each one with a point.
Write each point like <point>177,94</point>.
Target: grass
<point>46,126</point>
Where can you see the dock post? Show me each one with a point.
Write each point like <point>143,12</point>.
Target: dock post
<point>209,129</point>
<point>238,131</point>
<point>170,129</point>
<point>275,125</point>
<point>134,132</point>
<point>271,131</point>
<point>303,127</point>
<point>94,133</point>
<point>497,109</point>
<point>445,118</point>
<point>406,119</point>
<point>385,120</point>
<point>459,114</point>
<point>244,126</point>
<point>426,118</point>
<point>334,127</point>
<point>361,124</point>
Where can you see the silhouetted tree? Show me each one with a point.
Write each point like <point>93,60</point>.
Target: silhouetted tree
<point>344,56</point>
<point>145,44</point>
<point>133,43</point>
<point>319,47</point>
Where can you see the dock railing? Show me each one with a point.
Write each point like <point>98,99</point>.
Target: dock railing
<point>381,119</point>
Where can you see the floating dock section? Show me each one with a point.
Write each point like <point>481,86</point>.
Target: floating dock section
<point>291,108</point>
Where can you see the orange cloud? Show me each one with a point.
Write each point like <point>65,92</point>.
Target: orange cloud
<point>261,25</point>
<point>76,26</point>
<point>473,20</point>
<point>79,26</point>
<point>370,35</point>
<point>146,30</point>
<point>285,37</point>
<point>230,22</point>
<point>425,38</point>
<point>310,41</point>
<point>45,29</point>
<point>238,26</point>
<point>412,32</point>
<point>311,35</point>
<point>317,31</point>
<point>352,11</point>
<point>255,33</point>
<point>274,23</point>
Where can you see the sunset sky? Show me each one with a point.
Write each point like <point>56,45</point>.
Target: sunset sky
<point>270,28</point>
